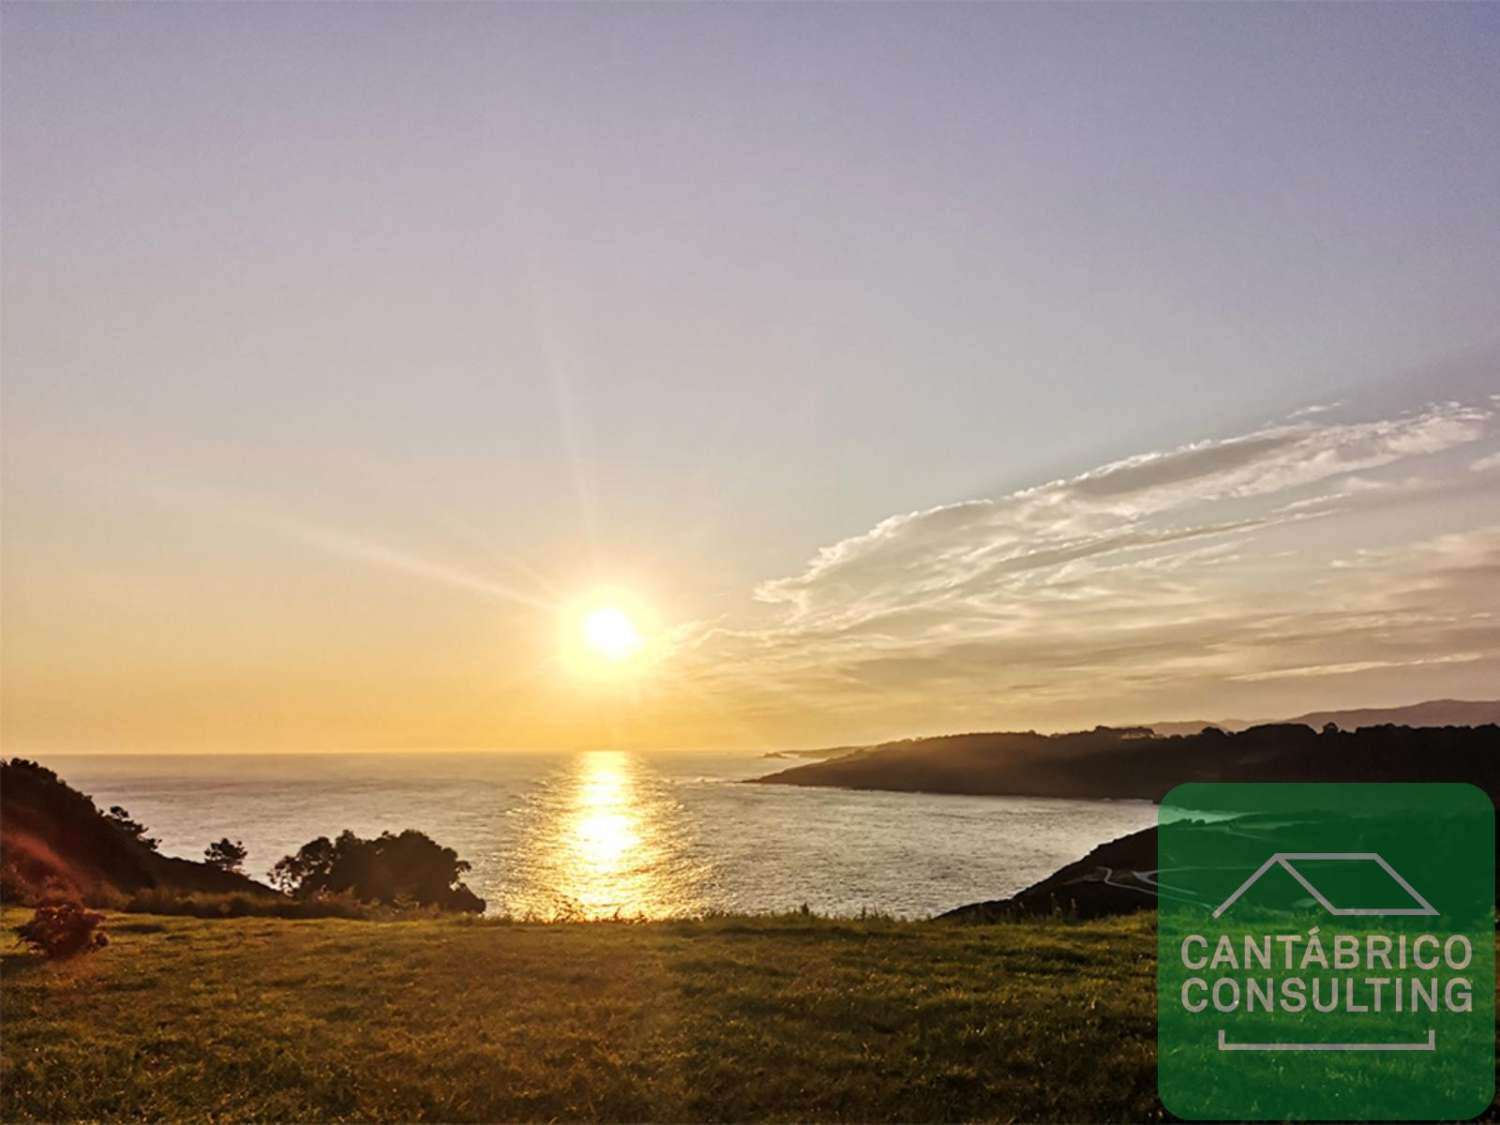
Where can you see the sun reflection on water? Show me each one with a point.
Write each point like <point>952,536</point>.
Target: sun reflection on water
<point>605,855</point>
<point>607,836</point>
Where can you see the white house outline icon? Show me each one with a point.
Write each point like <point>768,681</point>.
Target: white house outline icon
<point>1284,860</point>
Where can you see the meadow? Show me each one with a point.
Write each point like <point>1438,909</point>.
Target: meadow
<point>789,1017</point>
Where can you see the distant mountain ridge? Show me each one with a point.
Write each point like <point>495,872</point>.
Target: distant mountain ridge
<point>1429,713</point>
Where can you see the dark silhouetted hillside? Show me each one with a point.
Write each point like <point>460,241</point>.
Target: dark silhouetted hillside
<point>1106,881</point>
<point>55,841</point>
<point>1122,875</point>
<point>1127,763</point>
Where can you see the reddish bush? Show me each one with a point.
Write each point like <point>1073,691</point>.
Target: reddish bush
<point>63,930</point>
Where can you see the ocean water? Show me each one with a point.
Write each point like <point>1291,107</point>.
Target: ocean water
<point>604,832</point>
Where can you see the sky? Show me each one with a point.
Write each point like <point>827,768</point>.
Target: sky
<point>897,369</point>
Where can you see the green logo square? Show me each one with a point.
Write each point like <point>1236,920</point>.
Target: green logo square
<point>1326,952</point>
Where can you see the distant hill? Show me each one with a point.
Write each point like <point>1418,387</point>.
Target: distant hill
<point>1133,763</point>
<point>1432,713</point>
<point>55,841</point>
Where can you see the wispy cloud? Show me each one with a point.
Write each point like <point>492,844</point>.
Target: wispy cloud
<point>1189,565</point>
<point>1316,408</point>
<point>1356,666</point>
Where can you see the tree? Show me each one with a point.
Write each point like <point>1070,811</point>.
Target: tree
<point>306,872</point>
<point>392,868</point>
<point>226,855</point>
<point>120,819</point>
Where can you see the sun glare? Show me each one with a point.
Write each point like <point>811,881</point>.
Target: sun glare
<point>609,633</point>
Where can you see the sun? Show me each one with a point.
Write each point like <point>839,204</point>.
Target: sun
<point>609,633</point>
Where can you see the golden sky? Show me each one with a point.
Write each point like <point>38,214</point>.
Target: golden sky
<point>1093,365</point>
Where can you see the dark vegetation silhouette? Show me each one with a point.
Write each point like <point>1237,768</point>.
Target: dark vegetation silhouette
<point>226,855</point>
<point>56,844</point>
<point>392,869</point>
<point>57,847</point>
<point>121,820</point>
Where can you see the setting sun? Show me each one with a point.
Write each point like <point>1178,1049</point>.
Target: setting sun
<point>609,633</point>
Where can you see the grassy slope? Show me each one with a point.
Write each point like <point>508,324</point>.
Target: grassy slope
<point>787,1018</point>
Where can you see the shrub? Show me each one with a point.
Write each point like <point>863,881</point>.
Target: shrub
<point>63,930</point>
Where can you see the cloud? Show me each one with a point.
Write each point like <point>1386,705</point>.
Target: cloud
<point>1188,565</point>
<point>1484,464</point>
<point>1100,511</point>
<point>1356,666</point>
<point>1316,408</point>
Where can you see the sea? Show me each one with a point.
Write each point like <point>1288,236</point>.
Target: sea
<point>608,833</point>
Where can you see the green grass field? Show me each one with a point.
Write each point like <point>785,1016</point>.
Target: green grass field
<point>788,1018</point>
<point>768,1018</point>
